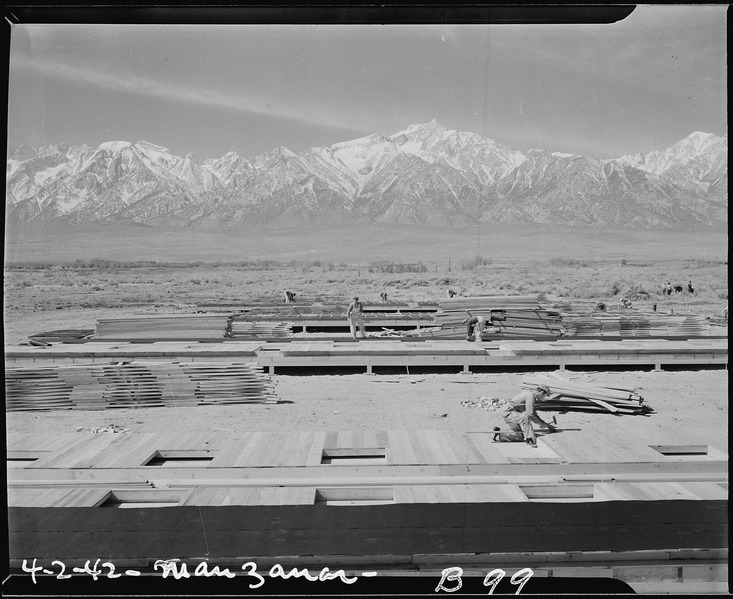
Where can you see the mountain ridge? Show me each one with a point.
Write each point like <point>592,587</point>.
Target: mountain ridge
<point>423,174</point>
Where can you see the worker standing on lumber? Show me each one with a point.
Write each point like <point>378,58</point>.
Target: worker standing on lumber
<point>355,316</point>
<point>518,413</point>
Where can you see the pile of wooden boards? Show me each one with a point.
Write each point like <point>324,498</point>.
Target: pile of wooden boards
<point>239,328</point>
<point>61,336</point>
<point>98,386</point>
<point>155,327</point>
<point>572,395</point>
<point>525,317</point>
<point>632,324</point>
<point>292,312</point>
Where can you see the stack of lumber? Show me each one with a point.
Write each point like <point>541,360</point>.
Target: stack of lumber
<point>41,383</point>
<point>632,324</point>
<point>493,302</point>
<point>572,395</point>
<point>292,312</point>
<point>525,318</point>
<point>581,325</point>
<point>717,321</point>
<point>687,325</point>
<point>61,336</point>
<point>163,327</point>
<point>228,383</point>
<point>98,386</point>
<point>243,329</point>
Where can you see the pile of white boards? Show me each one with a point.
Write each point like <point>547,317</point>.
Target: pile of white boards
<point>519,316</point>
<point>573,395</point>
<point>162,327</point>
<point>99,386</point>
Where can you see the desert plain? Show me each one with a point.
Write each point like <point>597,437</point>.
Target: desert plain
<point>57,282</point>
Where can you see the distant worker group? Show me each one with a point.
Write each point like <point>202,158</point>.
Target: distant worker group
<point>668,288</point>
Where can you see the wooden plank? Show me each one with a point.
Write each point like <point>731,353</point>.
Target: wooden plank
<point>464,451</point>
<point>420,447</point>
<point>403,494</point>
<point>484,445</point>
<point>200,496</point>
<point>439,450</point>
<point>120,442</point>
<point>264,442</point>
<point>291,452</point>
<point>315,451</point>
<point>82,445</point>
<point>400,449</point>
<point>495,493</point>
<point>705,490</point>
<point>136,454</point>
<point>229,450</point>
<point>579,447</point>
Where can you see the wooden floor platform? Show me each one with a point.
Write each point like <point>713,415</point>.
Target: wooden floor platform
<point>388,500</point>
<point>371,355</point>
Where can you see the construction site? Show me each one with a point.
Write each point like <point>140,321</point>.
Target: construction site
<point>270,433</point>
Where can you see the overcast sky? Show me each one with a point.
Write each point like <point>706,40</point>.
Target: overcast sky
<point>600,90</point>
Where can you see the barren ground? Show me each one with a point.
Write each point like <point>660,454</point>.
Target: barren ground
<point>693,401</point>
<point>62,297</point>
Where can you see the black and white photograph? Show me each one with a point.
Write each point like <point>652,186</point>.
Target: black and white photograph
<point>424,300</point>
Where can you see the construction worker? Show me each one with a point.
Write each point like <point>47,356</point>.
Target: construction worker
<point>355,316</point>
<point>477,325</point>
<point>518,413</point>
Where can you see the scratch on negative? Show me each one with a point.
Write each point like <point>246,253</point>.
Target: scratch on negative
<point>203,529</point>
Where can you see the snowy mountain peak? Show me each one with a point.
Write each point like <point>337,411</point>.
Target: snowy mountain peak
<point>699,156</point>
<point>422,130</point>
<point>276,155</point>
<point>425,173</point>
<point>114,146</point>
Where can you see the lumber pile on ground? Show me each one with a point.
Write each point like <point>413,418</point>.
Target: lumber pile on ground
<point>240,328</point>
<point>716,321</point>
<point>494,302</point>
<point>292,312</point>
<point>632,324</point>
<point>524,316</point>
<point>99,386</point>
<point>61,336</point>
<point>572,395</point>
<point>163,327</point>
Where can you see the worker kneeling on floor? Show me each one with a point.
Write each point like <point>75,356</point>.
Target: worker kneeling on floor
<point>519,412</point>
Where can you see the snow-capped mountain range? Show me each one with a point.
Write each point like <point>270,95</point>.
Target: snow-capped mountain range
<point>424,174</point>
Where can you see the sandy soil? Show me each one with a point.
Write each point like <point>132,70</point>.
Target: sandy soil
<point>688,402</point>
